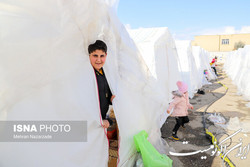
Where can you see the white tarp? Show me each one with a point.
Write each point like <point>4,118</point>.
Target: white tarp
<point>202,63</point>
<point>45,74</point>
<point>237,67</point>
<point>188,67</point>
<point>159,52</point>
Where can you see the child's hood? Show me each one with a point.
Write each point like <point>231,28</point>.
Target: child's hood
<point>177,93</point>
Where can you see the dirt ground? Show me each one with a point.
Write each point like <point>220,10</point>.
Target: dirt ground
<point>193,137</point>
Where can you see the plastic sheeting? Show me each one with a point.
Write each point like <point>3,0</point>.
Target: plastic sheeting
<point>188,68</point>
<point>159,53</point>
<point>235,124</point>
<point>237,67</point>
<point>170,61</point>
<point>202,62</point>
<point>45,74</point>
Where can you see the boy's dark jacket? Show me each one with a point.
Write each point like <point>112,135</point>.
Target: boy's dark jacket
<point>104,93</point>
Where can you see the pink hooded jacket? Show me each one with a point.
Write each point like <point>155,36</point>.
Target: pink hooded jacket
<point>181,101</point>
<point>181,105</point>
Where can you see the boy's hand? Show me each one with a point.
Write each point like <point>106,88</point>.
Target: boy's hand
<point>192,107</point>
<point>105,123</point>
<point>112,97</point>
<point>168,111</point>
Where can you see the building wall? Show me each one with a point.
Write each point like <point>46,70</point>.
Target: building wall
<point>207,42</point>
<point>220,43</point>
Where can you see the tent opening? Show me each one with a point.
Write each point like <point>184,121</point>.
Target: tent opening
<point>113,136</point>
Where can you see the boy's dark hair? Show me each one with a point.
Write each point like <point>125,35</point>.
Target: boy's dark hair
<point>98,45</point>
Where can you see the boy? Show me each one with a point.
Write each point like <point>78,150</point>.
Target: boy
<point>97,56</point>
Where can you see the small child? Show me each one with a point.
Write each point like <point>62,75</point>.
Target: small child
<point>206,74</point>
<point>213,65</point>
<point>181,105</point>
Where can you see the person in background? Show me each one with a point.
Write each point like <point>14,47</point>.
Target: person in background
<point>97,56</point>
<point>180,106</point>
<point>213,64</point>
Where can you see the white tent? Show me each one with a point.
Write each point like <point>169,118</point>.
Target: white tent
<point>237,67</point>
<point>159,52</point>
<point>46,75</point>
<point>188,67</point>
<point>202,62</point>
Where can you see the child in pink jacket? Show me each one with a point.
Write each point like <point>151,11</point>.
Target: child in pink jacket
<point>181,105</point>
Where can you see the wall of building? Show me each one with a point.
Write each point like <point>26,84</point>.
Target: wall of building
<point>220,43</point>
<point>207,42</point>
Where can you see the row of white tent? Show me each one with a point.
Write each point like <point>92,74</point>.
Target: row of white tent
<point>171,60</point>
<point>46,75</point>
<point>237,67</point>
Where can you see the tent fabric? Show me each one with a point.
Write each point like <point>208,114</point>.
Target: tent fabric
<point>237,67</point>
<point>46,75</point>
<point>158,50</point>
<point>170,61</point>
<point>188,67</point>
<point>202,62</point>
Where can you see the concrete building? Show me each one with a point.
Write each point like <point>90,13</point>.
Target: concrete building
<point>220,43</point>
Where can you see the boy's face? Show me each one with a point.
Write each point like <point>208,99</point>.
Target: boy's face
<point>97,59</point>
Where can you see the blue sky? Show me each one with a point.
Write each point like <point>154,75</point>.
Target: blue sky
<point>187,18</point>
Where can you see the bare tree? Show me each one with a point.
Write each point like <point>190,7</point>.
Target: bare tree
<point>238,45</point>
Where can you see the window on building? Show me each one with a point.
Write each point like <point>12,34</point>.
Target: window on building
<point>225,42</point>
